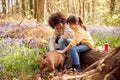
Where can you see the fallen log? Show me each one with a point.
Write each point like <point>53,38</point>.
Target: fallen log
<point>88,58</point>
<point>105,68</point>
<point>91,56</point>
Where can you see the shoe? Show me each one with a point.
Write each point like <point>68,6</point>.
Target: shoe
<point>77,67</point>
<point>73,65</point>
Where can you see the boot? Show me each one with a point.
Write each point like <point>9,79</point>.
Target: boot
<point>73,65</point>
<point>77,67</point>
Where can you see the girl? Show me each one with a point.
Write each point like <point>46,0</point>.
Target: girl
<point>81,42</point>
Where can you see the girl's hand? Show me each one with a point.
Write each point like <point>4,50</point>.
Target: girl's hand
<point>60,51</point>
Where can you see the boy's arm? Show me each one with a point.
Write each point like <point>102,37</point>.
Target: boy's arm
<point>51,42</point>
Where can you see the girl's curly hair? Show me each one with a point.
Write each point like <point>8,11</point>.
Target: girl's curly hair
<point>56,18</point>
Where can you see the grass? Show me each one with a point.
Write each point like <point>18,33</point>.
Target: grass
<point>17,59</point>
<point>113,41</point>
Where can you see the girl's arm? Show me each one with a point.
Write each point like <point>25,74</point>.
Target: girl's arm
<point>65,49</point>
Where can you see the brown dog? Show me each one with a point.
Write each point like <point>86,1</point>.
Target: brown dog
<point>52,60</point>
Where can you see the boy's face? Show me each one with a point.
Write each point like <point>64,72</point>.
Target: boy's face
<point>59,26</point>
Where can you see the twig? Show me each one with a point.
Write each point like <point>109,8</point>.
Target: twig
<point>110,73</point>
<point>78,76</point>
<point>91,66</point>
<point>100,64</point>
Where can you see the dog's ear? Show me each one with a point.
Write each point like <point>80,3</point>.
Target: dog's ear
<point>44,56</point>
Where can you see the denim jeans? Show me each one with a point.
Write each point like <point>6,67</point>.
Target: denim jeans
<point>74,53</point>
<point>62,42</point>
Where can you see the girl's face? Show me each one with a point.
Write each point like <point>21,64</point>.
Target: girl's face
<point>59,26</point>
<point>72,26</point>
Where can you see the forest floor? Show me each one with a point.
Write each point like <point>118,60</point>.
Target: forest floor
<point>36,35</point>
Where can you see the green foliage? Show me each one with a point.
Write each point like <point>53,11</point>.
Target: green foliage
<point>19,62</point>
<point>15,59</point>
<point>112,40</point>
<point>112,19</point>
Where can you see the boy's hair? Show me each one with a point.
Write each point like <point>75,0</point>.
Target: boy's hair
<point>55,19</point>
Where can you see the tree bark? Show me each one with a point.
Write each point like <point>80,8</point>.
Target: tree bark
<point>68,8</point>
<point>40,10</point>
<point>23,7</point>
<point>80,7</point>
<point>4,7</point>
<point>31,7</point>
<point>88,57</point>
<point>17,7</point>
<point>36,8</point>
<point>12,6</point>
<point>83,9</point>
<point>93,9</point>
<point>112,6</point>
<point>88,7</point>
<point>48,7</point>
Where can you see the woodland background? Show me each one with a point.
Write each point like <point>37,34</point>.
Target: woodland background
<point>24,31</point>
<point>99,12</point>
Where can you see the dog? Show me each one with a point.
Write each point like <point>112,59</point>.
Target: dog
<point>53,60</point>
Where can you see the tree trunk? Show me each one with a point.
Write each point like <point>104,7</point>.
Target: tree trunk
<point>35,10</point>
<point>48,7</point>
<point>17,7</point>
<point>88,57</point>
<point>93,13</point>
<point>12,7</point>
<point>8,4</point>
<point>88,7</point>
<point>68,8</point>
<point>23,7</point>
<point>40,10</point>
<point>31,7</point>
<point>80,7</point>
<point>74,7</point>
<point>4,7</point>
<point>112,6</point>
<point>83,9</point>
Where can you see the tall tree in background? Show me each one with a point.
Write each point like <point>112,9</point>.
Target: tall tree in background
<point>93,9</point>
<point>8,6</point>
<point>80,7</point>
<point>112,6</point>
<point>88,7</point>
<point>48,6</point>
<point>17,6</point>
<point>23,7</point>
<point>68,8</point>
<point>12,6</point>
<point>36,8</point>
<point>4,6</point>
<point>31,7</point>
<point>39,10</point>
<point>83,9</point>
